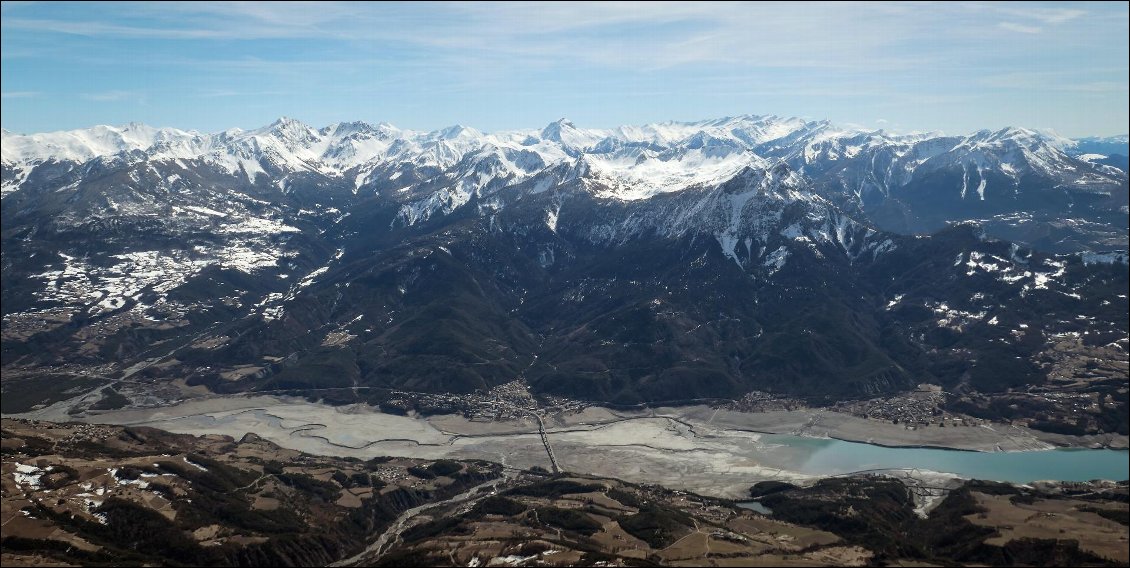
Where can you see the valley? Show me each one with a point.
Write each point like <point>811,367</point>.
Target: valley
<point>561,345</point>
<point>86,494</point>
<point>607,284</point>
<point>711,451</point>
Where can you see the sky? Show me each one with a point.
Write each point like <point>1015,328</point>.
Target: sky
<point>954,67</point>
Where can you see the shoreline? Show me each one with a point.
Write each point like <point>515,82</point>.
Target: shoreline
<point>826,424</point>
<point>1052,446</point>
<point>838,426</point>
<point>700,449</point>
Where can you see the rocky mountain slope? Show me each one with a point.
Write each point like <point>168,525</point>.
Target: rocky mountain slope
<point>666,262</point>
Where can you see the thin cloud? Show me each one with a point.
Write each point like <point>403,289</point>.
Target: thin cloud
<point>654,36</point>
<point>1083,79</point>
<point>1096,87</point>
<point>1049,16</point>
<point>19,94</point>
<point>112,96</point>
<point>225,93</point>
<point>352,58</point>
<point>1020,28</point>
<point>97,29</point>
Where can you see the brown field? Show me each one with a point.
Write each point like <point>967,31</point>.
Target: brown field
<point>1053,519</point>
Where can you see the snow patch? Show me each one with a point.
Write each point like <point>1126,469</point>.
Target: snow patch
<point>28,475</point>
<point>776,259</point>
<point>194,464</point>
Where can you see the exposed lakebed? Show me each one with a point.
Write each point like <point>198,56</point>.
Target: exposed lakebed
<point>698,449</point>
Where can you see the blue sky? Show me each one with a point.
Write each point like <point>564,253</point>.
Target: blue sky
<point>955,67</point>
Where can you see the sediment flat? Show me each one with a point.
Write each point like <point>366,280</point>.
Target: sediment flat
<point>826,424</point>
<point>696,448</point>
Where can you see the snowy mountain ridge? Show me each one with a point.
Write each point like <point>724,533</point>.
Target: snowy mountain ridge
<point>1018,178</point>
<point>649,159</point>
<point>750,131</point>
<point>103,140</point>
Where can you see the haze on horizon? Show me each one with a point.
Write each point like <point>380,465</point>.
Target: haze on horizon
<point>900,66</point>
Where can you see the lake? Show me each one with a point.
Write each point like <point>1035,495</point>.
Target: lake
<point>831,457</point>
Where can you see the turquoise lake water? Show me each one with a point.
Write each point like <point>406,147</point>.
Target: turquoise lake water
<point>831,457</point>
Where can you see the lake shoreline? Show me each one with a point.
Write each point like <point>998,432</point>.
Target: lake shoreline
<point>809,423</point>
<point>818,423</point>
<point>701,449</point>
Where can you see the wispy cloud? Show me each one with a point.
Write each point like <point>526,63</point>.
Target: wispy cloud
<point>227,93</point>
<point>113,96</point>
<point>655,36</point>
<point>1038,12</point>
<point>1020,28</point>
<point>1097,87</point>
<point>891,59</point>
<point>19,94</point>
<point>216,21</point>
<point>93,29</point>
<point>487,39</point>
<point>1080,79</point>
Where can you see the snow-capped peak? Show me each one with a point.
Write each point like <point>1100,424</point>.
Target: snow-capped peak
<point>632,162</point>
<point>288,130</point>
<point>552,131</point>
<point>455,132</point>
<point>86,144</point>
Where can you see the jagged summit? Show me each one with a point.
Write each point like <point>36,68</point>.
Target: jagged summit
<point>552,131</point>
<point>768,136</point>
<point>911,182</point>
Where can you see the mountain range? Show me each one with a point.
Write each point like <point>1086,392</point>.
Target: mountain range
<point>663,262</point>
<point>917,183</point>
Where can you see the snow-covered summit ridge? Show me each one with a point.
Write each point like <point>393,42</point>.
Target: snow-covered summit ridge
<point>89,143</point>
<point>633,162</point>
<point>747,131</point>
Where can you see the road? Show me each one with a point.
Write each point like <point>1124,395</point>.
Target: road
<point>541,432</point>
<point>545,440</point>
